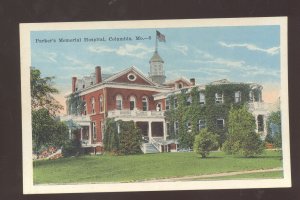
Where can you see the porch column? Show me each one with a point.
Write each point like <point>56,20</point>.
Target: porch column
<point>81,134</point>
<point>149,130</point>
<point>90,134</point>
<point>165,130</point>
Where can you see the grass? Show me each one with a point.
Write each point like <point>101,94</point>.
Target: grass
<point>106,168</point>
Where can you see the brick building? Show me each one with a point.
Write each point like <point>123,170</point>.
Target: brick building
<point>130,95</point>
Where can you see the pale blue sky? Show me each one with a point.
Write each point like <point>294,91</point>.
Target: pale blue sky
<point>241,53</point>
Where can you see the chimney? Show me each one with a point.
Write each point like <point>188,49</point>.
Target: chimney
<point>192,80</point>
<point>98,74</point>
<point>74,79</point>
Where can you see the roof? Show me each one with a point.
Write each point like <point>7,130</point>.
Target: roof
<point>156,58</point>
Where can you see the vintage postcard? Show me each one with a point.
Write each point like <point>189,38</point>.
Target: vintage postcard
<point>155,105</point>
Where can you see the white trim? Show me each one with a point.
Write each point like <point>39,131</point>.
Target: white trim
<point>131,74</point>
<point>124,86</point>
<point>133,68</point>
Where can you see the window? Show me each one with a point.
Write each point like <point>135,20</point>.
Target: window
<point>220,123</point>
<point>145,103</point>
<point>132,103</point>
<point>260,123</point>
<point>251,96</point>
<point>219,98</point>
<point>119,102</point>
<point>84,108</point>
<point>189,126</point>
<point>131,77</point>
<point>201,124</point>
<point>94,130</point>
<point>202,98</point>
<point>237,97</point>
<point>158,106</point>
<point>83,86</point>
<point>180,85</point>
<point>176,128</point>
<point>175,102</point>
<point>102,130</point>
<point>168,128</point>
<point>189,101</point>
<point>167,104</point>
<point>101,103</point>
<point>93,105</point>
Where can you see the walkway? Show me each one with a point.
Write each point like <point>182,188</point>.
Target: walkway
<point>194,178</point>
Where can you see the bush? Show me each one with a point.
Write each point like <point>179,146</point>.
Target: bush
<point>127,141</point>
<point>242,138</point>
<point>71,148</point>
<point>205,142</point>
<point>130,138</point>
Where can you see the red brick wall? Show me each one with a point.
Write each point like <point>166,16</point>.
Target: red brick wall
<point>126,93</point>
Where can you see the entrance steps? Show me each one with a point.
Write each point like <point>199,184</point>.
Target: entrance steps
<point>149,148</point>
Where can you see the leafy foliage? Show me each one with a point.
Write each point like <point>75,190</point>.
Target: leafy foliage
<point>205,142</point>
<point>127,141</point>
<point>130,138</point>
<point>71,148</point>
<point>75,104</point>
<point>111,137</point>
<point>189,113</point>
<point>42,91</point>
<point>242,138</point>
<point>274,129</point>
<point>47,131</point>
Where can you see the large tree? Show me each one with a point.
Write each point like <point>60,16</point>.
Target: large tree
<point>242,138</point>
<point>47,130</point>
<point>42,92</point>
<point>205,142</point>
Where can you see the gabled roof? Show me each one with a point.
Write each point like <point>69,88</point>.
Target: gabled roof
<point>125,71</point>
<point>183,79</point>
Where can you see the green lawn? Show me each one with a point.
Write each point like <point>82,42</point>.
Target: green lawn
<point>106,168</point>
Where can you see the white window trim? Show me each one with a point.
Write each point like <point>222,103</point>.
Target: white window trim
<point>93,105</point>
<point>147,103</point>
<point>237,97</point>
<point>219,98</point>
<point>101,105</point>
<point>199,124</point>
<point>94,129</point>
<point>202,101</point>
<point>119,98</point>
<point>131,74</point>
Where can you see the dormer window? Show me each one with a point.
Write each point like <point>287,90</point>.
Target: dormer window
<point>180,85</point>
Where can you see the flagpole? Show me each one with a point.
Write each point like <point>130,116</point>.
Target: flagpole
<point>156,42</point>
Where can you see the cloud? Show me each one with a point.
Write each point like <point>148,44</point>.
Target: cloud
<point>182,49</point>
<point>45,56</point>
<point>138,50</point>
<point>252,47</point>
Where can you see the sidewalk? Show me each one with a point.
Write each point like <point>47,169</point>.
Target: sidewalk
<point>194,178</point>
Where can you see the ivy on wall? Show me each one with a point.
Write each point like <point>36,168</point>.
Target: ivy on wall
<point>189,111</point>
<point>75,104</point>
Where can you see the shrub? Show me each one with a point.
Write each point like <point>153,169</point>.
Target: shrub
<point>130,138</point>
<point>242,138</point>
<point>205,142</point>
<point>71,148</point>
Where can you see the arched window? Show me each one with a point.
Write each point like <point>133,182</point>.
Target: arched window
<point>132,102</point>
<point>145,103</point>
<point>119,103</point>
<point>101,103</point>
<point>93,105</point>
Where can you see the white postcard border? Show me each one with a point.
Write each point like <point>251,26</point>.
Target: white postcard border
<point>30,188</point>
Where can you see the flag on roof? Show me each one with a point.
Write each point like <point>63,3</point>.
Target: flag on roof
<point>160,37</point>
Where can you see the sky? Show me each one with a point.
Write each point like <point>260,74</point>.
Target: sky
<point>237,53</point>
